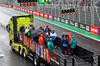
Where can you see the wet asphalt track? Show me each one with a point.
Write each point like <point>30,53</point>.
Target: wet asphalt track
<point>13,59</point>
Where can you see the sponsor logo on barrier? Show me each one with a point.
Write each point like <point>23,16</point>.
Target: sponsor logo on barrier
<point>46,16</point>
<point>72,23</point>
<point>9,6</point>
<point>55,18</point>
<point>41,15</point>
<point>14,7</point>
<point>58,19</point>
<point>99,31</point>
<point>50,17</point>
<point>87,28</point>
<point>63,20</point>
<point>38,14</point>
<point>21,9</point>
<point>94,30</point>
<point>18,8</point>
<point>25,10</point>
<point>28,11</point>
<point>34,12</point>
<point>82,26</point>
<point>31,11</point>
<point>76,24</point>
<point>66,21</point>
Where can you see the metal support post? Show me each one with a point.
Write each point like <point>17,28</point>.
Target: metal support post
<point>85,13</point>
<point>79,9</point>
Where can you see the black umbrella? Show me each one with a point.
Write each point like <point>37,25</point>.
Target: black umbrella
<point>35,33</point>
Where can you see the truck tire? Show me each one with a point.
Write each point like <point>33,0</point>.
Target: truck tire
<point>24,54</point>
<point>20,52</point>
<point>12,48</point>
<point>36,61</point>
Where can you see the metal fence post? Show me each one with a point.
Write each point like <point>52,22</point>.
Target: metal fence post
<point>85,13</point>
<point>79,9</point>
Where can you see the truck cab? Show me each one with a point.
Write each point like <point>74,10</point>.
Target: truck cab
<point>13,29</point>
<point>15,23</point>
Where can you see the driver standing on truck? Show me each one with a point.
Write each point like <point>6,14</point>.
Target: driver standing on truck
<point>64,45</point>
<point>73,45</point>
<point>41,40</point>
<point>47,30</point>
<point>22,29</point>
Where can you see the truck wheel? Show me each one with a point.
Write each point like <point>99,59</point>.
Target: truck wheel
<point>24,54</point>
<point>36,61</point>
<point>12,48</point>
<point>20,52</point>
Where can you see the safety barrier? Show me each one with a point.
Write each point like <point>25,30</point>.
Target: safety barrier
<point>86,27</point>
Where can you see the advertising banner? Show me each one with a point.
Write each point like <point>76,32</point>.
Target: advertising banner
<point>4,5</point>
<point>57,19</point>
<point>38,13</point>
<point>46,15</point>
<point>34,12</point>
<point>23,9</point>
<point>31,12</point>
<point>14,7</point>
<point>28,11</point>
<point>94,30</point>
<point>41,14</point>
<point>19,8</point>
<point>9,6</point>
<point>65,21</point>
<point>84,27</point>
<point>99,31</point>
<point>72,23</point>
<point>50,17</point>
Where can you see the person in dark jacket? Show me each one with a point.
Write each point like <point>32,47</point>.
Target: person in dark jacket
<point>41,28</point>
<point>64,45</point>
<point>45,40</point>
<point>50,44</point>
<point>31,27</point>
<point>22,29</point>
<point>47,30</point>
<point>73,45</point>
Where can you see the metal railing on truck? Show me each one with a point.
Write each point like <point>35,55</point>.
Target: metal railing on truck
<point>49,56</point>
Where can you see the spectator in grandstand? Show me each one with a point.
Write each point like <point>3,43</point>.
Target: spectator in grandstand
<point>53,35</point>
<point>64,45</point>
<point>41,28</point>
<point>69,39</point>
<point>41,40</point>
<point>22,29</point>
<point>73,45</point>
<point>47,30</point>
<point>50,44</point>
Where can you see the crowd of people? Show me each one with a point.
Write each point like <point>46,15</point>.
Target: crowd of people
<point>50,40</point>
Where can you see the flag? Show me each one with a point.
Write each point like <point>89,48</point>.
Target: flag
<point>43,1</point>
